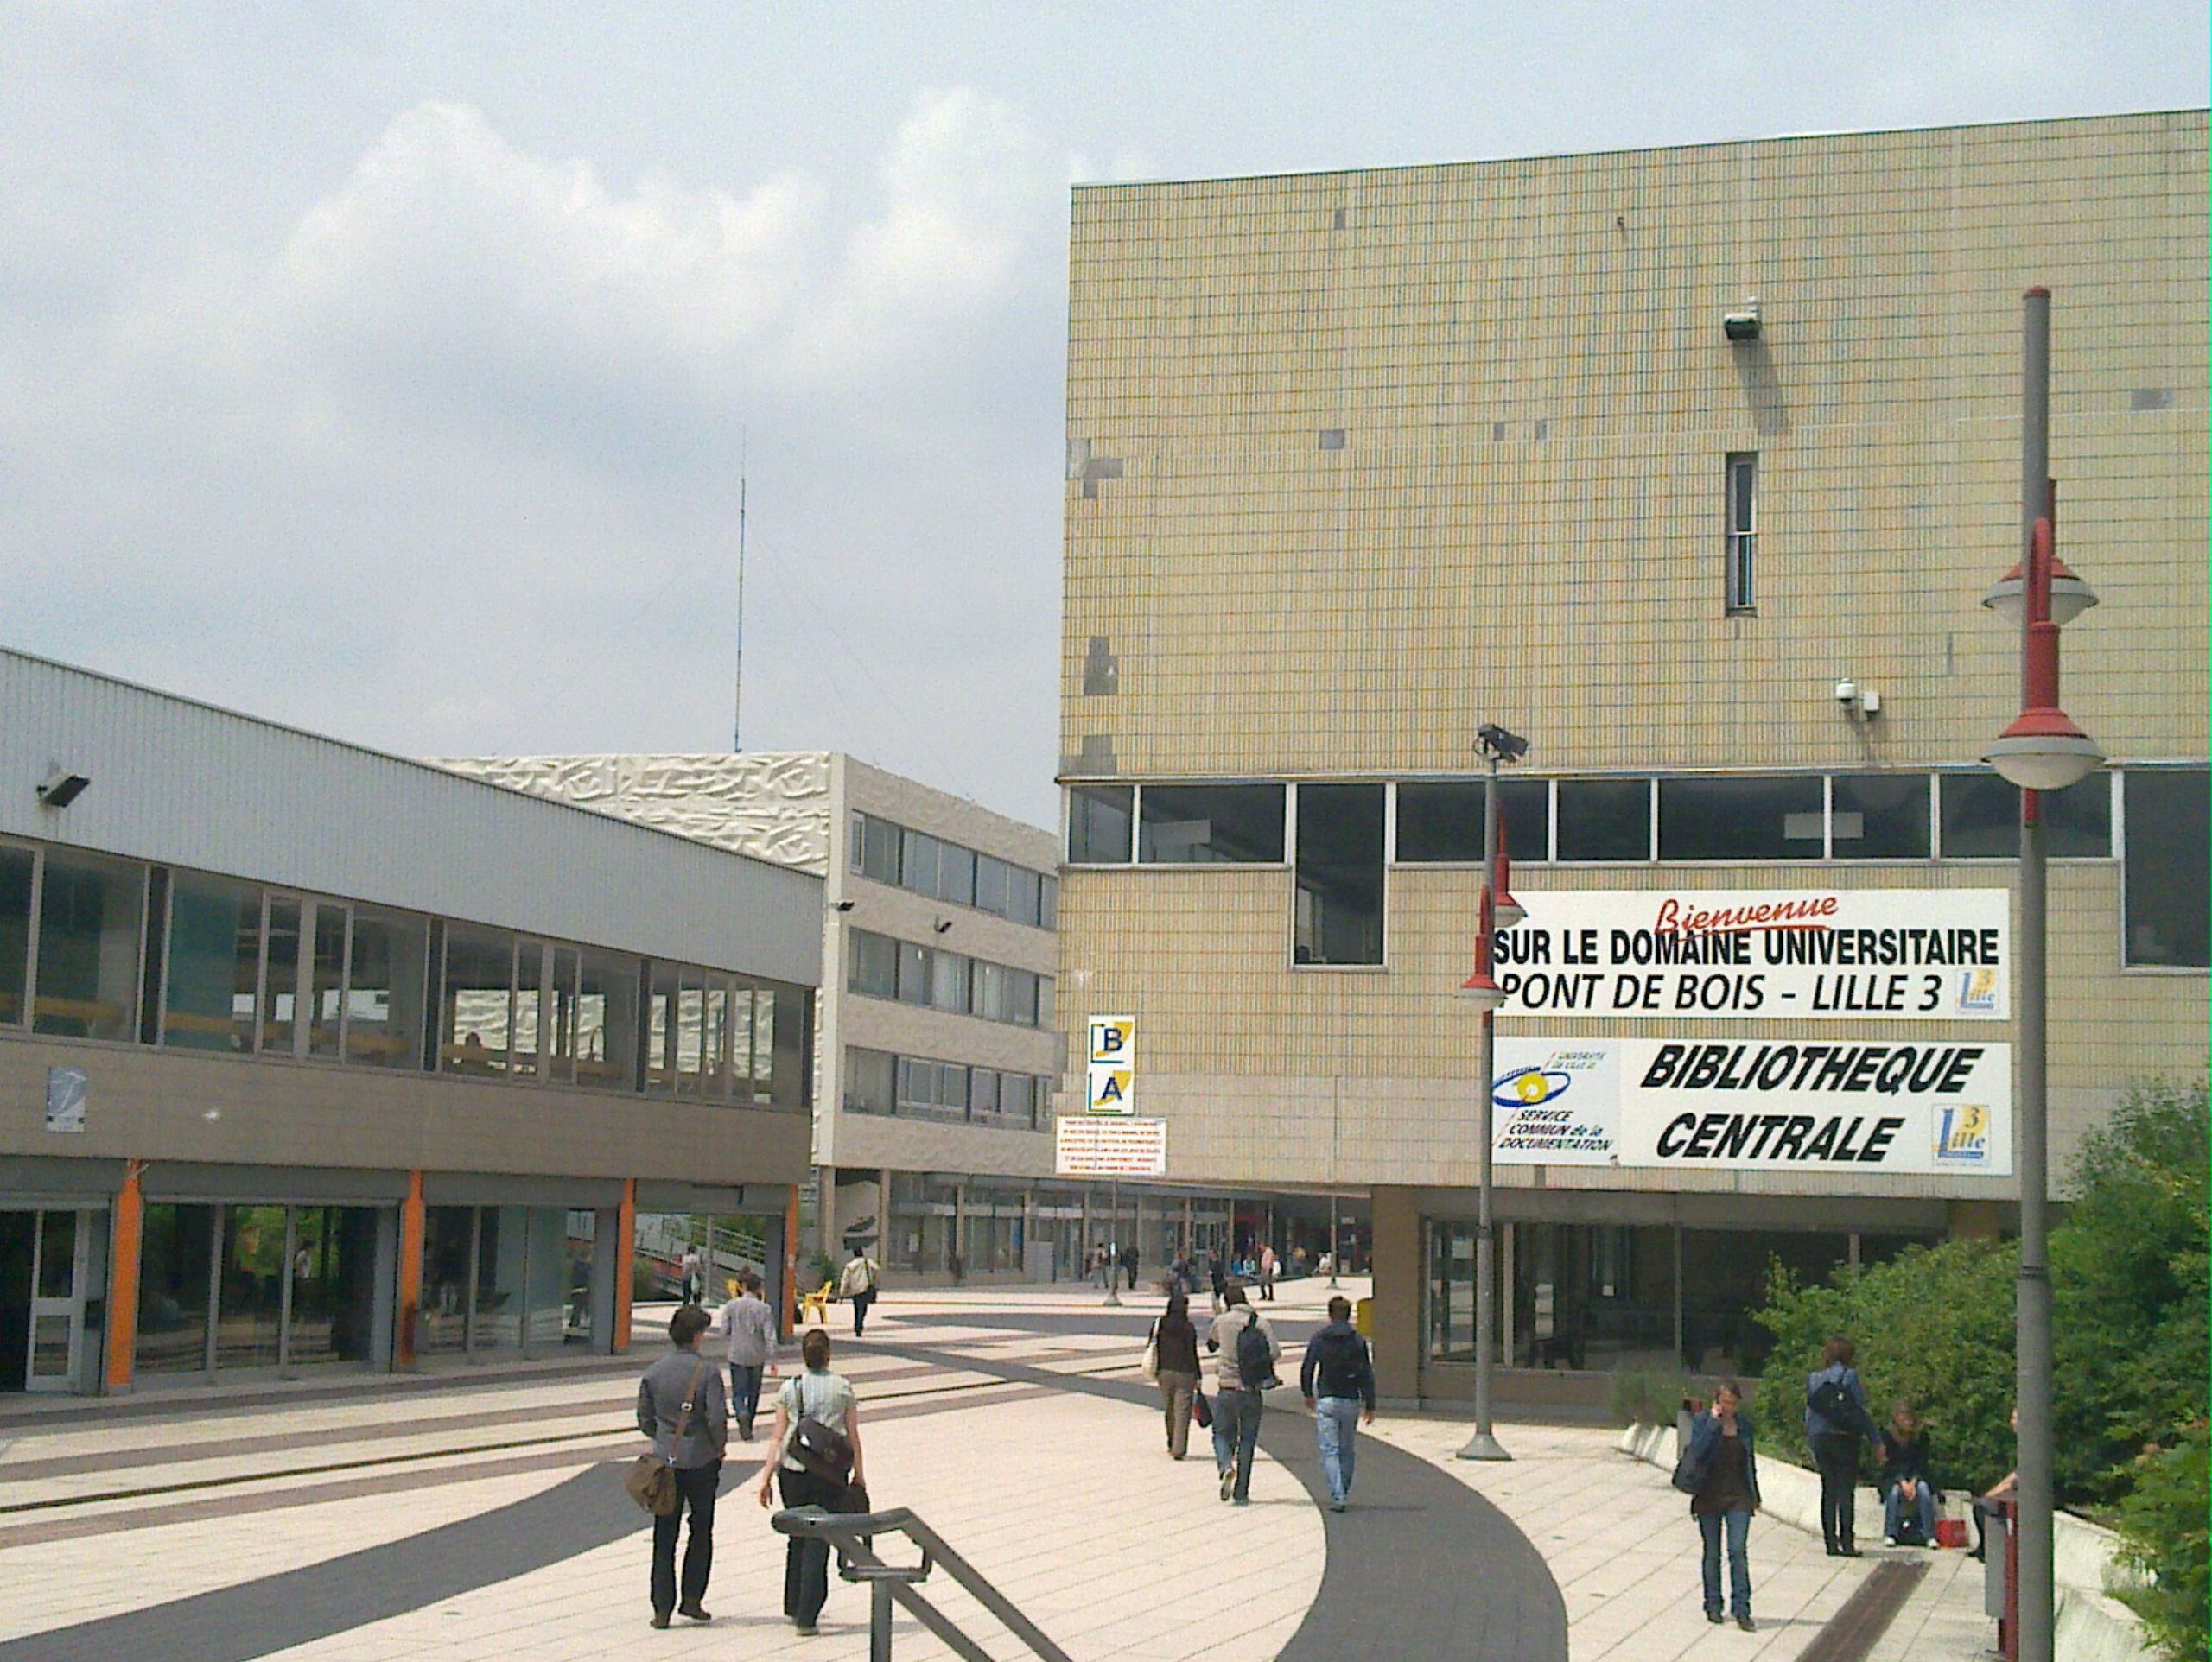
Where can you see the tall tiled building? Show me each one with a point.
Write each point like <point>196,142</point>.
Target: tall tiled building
<point>937,1051</point>
<point>1692,467</point>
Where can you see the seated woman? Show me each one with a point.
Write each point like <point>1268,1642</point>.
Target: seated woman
<point>1908,1493</point>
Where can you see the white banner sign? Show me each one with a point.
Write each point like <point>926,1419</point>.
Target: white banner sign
<point>1110,1071</point>
<point>1770,1105</point>
<point>1102,1145</point>
<point>1920,954</point>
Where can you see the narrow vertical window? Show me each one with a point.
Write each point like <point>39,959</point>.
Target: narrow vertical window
<point>1743,530</point>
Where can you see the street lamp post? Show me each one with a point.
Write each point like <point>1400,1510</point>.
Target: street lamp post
<point>1482,990</point>
<point>2041,750</point>
<point>1113,1244</point>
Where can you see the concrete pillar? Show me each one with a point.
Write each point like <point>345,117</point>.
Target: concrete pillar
<point>1396,1212</point>
<point>825,1212</point>
<point>126,1243</point>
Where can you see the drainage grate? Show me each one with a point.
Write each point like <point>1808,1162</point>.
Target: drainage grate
<point>1867,1614</point>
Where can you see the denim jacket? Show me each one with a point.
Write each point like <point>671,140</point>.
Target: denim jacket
<point>1819,1425</point>
<point>1705,1433</point>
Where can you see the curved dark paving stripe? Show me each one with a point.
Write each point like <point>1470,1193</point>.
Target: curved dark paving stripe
<point>1422,1569</point>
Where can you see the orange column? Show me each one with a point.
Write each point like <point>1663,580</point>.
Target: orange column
<point>124,1249</point>
<point>625,1246</point>
<point>411,1269</point>
<point>791,1261</point>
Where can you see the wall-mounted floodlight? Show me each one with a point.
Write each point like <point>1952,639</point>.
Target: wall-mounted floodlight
<point>62,788</point>
<point>1743,324</point>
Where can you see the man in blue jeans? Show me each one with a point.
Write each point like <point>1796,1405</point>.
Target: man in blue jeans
<point>1336,1358</point>
<point>1249,1352</point>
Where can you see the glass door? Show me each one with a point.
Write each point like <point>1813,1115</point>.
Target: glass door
<point>60,1246</point>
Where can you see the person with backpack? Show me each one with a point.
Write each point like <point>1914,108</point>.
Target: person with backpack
<point>1247,1368</point>
<point>1719,1470</point>
<point>1338,1367</point>
<point>819,1462</point>
<point>681,1407</point>
<point>857,1284</point>
<point>1836,1421</point>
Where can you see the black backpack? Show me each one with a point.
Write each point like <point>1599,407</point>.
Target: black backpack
<point>1255,1362</point>
<point>1830,1401</point>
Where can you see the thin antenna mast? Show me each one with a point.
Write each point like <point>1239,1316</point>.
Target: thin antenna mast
<point>737,699</point>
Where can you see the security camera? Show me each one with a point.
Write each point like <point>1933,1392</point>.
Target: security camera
<point>1743,323</point>
<point>61,788</point>
<point>1847,692</point>
<point>846,905</point>
<point>1495,740</point>
<point>942,925</point>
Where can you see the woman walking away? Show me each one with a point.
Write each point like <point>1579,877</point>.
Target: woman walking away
<point>1908,1491</point>
<point>1175,1346</point>
<point>1836,1418</point>
<point>1723,1477</point>
<point>682,1408</point>
<point>822,1406</point>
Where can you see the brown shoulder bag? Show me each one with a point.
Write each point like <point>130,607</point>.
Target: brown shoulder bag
<point>652,1481</point>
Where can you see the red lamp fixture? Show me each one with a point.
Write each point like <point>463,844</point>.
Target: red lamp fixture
<point>1506,912</point>
<point>2043,750</point>
<point>1479,989</point>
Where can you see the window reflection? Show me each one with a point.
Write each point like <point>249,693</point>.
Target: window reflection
<point>15,932</point>
<point>383,995</point>
<point>2167,889</point>
<point>325,1011</point>
<point>280,973</point>
<point>88,942</point>
<point>478,1001</point>
<point>213,964</point>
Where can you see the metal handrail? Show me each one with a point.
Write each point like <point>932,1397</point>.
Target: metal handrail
<point>852,1533</point>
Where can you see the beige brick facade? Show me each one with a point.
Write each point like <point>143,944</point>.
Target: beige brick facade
<point>1359,460</point>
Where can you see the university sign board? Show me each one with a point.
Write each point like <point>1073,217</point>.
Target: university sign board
<point>1110,1065</point>
<point>1885,955</point>
<point>1815,1104</point>
<point>1108,1145</point>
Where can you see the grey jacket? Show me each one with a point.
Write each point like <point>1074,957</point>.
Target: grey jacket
<point>660,1406</point>
<point>750,1326</point>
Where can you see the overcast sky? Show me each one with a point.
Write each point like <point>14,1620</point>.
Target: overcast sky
<point>386,369</point>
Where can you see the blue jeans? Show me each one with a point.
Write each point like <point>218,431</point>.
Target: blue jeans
<point>744,1394</point>
<point>1336,1424</point>
<point>1893,1511</point>
<point>1740,1562</point>
<point>1236,1435</point>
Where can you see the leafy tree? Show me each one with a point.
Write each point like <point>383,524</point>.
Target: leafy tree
<point>2162,1523</point>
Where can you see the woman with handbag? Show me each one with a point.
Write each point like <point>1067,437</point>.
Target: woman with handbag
<point>817,1442</point>
<point>1720,1471</point>
<point>1174,1351</point>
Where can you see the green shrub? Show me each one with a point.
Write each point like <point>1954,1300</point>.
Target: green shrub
<point>1934,1326</point>
<point>1648,1396</point>
<point>2162,1525</point>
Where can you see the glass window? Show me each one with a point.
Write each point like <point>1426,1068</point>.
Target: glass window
<point>178,1244</point>
<point>1048,903</point>
<point>1740,818</point>
<point>213,960</point>
<point>384,988</point>
<point>1878,816</point>
<point>250,1302</point>
<point>856,842</point>
<point>715,1040</point>
<point>661,1029</point>
<point>879,854</point>
<point>479,996</point>
<point>918,862</point>
<point>949,982</point>
<point>1098,825</point>
<point>1337,896</point>
<point>1203,825</point>
<point>441,1320</point>
<point>502,1239</point>
<point>990,884</point>
<point>870,1080</point>
<point>15,932</point>
<point>784,1032</point>
<point>1605,818</point>
<point>90,916</point>
<point>990,1000</point>
<point>955,874</point>
<point>280,973</point>
<point>1981,818</point>
<point>1045,1006</point>
<point>1441,821</point>
<point>1021,998</point>
<point>913,974</point>
<point>982,1093</point>
<point>2167,891</point>
<point>690,1030</point>
<point>530,1021</point>
<point>607,1017</point>
<point>561,1014</point>
<point>1743,530</point>
<point>871,964</point>
<point>1022,895</point>
<point>327,971</point>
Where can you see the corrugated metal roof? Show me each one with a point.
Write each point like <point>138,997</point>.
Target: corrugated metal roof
<point>186,784</point>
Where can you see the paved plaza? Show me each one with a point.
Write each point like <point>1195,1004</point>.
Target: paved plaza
<point>466,1517</point>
